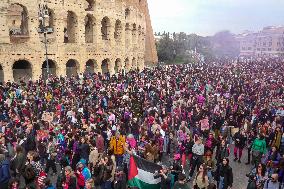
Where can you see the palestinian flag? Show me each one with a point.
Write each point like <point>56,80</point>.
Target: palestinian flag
<point>142,174</point>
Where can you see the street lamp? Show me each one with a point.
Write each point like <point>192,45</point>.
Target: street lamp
<point>43,17</point>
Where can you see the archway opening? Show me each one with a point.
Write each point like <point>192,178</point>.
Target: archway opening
<point>127,64</point>
<point>117,66</point>
<point>90,5</point>
<point>134,64</point>
<point>70,32</point>
<point>117,30</point>
<point>105,28</point>
<point>89,28</point>
<point>105,65</point>
<point>134,33</point>
<point>139,34</point>
<point>127,35</point>
<point>127,13</point>
<point>71,68</point>
<point>17,20</point>
<point>22,71</point>
<point>91,66</point>
<point>51,69</point>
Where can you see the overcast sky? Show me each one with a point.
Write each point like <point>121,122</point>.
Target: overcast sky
<point>206,17</point>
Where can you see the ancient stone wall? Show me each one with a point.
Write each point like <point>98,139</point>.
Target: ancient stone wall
<point>88,36</point>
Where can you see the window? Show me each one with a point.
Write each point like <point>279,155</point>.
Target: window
<point>243,48</point>
<point>258,49</point>
<point>269,49</point>
<point>249,48</point>
<point>270,44</point>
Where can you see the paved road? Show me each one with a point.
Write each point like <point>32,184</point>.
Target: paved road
<point>239,172</point>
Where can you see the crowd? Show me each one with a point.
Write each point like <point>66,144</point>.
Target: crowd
<point>79,132</point>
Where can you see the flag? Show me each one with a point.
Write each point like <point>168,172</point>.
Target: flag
<point>142,175</point>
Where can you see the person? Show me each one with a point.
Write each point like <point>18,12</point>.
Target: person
<point>240,142</point>
<point>14,183</point>
<point>5,175</point>
<point>18,161</point>
<point>52,154</point>
<point>84,149</point>
<point>106,167</point>
<point>82,168</point>
<point>258,149</point>
<point>210,165</point>
<point>201,180</point>
<point>117,144</point>
<point>271,160</point>
<point>272,183</point>
<point>251,136</point>
<point>187,155</point>
<point>181,183</point>
<point>258,175</point>
<point>48,184</point>
<point>90,184</point>
<point>197,158</point>
<point>166,177</point>
<point>222,151</point>
<point>120,179</point>
<point>67,179</point>
<point>224,175</point>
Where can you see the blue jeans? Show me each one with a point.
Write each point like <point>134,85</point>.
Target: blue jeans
<point>119,160</point>
<point>221,183</point>
<point>106,185</point>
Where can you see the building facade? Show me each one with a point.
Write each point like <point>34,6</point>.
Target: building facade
<point>268,42</point>
<point>85,36</point>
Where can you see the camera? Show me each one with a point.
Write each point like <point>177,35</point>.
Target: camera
<point>250,176</point>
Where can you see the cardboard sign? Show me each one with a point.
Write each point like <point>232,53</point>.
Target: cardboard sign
<point>47,116</point>
<point>204,123</point>
<point>42,134</point>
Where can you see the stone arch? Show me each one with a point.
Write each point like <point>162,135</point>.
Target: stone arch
<point>90,5</point>
<point>89,28</point>
<point>91,66</point>
<point>70,33</point>
<point>22,70</point>
<point>127,13</point>
<point>134,63</point>
<point>52,68</point>
<point>105,29</point>
<point>105,66</point>
<point>127,64</point>
<point>1,74</point>
<point>118,30</point>
<point>117,65</point>
<point>72,68</point>
<point>17,20</point>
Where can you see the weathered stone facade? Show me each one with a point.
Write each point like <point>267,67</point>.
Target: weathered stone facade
<point>88,35</point>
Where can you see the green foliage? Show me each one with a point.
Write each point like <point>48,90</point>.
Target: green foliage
<point>176,49</point>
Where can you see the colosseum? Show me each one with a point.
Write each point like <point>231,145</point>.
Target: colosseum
<point>81,36</point>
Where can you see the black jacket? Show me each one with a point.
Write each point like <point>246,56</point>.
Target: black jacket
<point>240,140</point>
<point>62,178</point>
<point>120,183</point>
<point>227,173</point>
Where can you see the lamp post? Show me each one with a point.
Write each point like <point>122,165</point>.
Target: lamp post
<point>43,16</point>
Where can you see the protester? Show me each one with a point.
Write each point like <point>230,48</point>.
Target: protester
<point>179,115</point>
